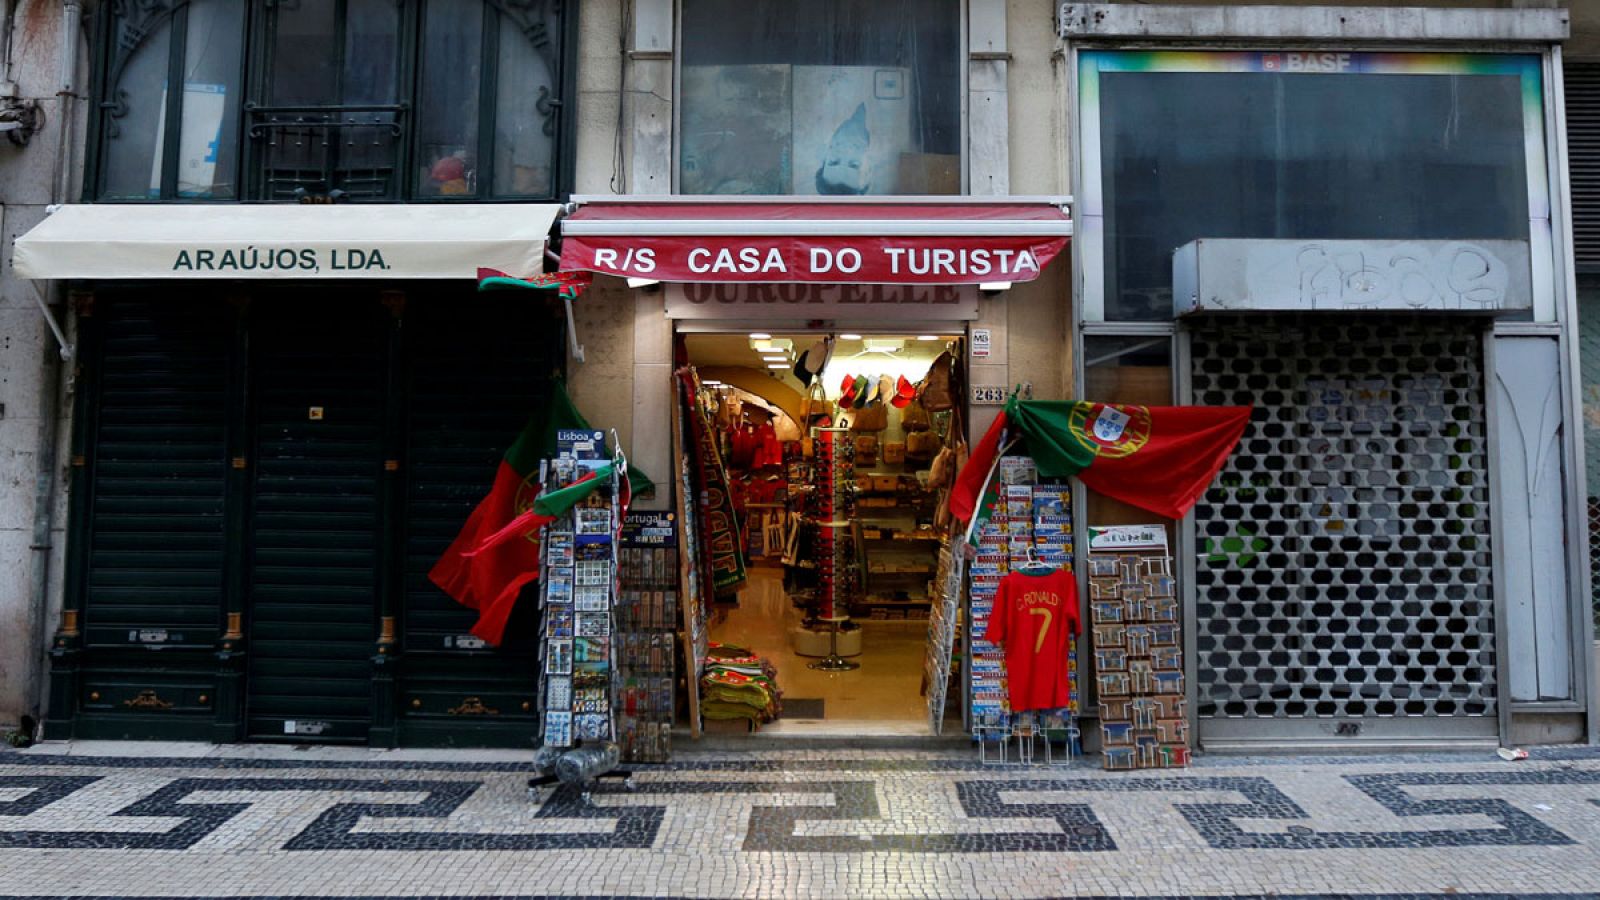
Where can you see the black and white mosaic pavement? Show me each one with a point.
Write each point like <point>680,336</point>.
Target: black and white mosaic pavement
<point>259,822</point>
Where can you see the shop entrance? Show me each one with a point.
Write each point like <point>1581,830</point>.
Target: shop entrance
<point>831,487</point>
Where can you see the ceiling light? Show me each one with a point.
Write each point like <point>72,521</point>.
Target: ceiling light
<point>850,337</point>
<point>760,336</point>
<point>994,287</point>
<point>763,345</point>
<point>710,382</point>
<point>927,337</point>
<point>782,365</point>
<point>779,358</point>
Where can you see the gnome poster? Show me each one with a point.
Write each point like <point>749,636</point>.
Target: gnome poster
<point>851,124</point>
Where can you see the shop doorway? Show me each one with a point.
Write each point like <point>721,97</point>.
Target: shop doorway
<point>838,521</point>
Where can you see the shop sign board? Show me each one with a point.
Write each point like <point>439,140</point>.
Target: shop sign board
<point>879,302</point>
<point>831,259</point>
<point>1111,538</point>
<point>981,343</point>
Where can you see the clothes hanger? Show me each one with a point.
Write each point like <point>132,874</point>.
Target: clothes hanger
<point>1032,565</point>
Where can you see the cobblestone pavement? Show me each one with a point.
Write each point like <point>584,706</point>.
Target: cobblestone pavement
<point>189,820</point>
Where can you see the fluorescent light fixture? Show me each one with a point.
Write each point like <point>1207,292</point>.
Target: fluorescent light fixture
<point>927,337</point>
<point>760,336</point>
<point>994,286</point>
<point>642,282</point>
<point>782,365</point>
<point>850,337</point>
<point>710,382</point>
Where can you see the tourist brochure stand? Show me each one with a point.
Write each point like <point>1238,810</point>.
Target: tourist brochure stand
<point>1138,648</point>
<point>647,622</point>
<point>1028,524</point>
<point>836,549</point>
<point>944,624</point>
<point>578,589</point>
<point>692,587</point>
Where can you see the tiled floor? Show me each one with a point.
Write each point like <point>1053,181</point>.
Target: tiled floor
<point>253,821</point>
<point>888,686</point>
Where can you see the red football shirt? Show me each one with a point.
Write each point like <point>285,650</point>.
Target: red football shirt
<point>1036,618</point>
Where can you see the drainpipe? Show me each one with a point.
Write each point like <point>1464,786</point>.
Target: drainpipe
<point>50,382</point>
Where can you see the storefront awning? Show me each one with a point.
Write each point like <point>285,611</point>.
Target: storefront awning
<point>879,240</point>
<point>444,240</point>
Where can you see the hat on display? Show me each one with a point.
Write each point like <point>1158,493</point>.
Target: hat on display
<point>885,389</point>
<point>810,364</point>
<point>859,392</point>
<point>874,391</point>
<point>847,391</point>
<point>904,393</point>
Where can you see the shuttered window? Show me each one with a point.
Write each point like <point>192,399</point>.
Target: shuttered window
<point>1583,156</point>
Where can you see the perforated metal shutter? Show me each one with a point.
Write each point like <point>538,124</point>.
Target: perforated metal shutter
<point>476,371</point>
<point>1583,155</point>
<point>154,582</point>
<point>1344,567</point>
<point>318,366</point>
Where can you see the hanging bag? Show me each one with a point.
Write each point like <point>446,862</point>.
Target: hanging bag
<point>938,387</point>
<point>871,418</point>
<point>915,417</point>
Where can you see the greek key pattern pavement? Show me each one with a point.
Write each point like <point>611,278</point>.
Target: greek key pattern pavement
<point>812,823</point>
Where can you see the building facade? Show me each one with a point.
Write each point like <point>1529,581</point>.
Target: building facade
<point>1395,554</point>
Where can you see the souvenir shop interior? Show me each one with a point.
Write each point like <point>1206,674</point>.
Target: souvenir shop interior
<point>829,444</point>
<point>838,562</point>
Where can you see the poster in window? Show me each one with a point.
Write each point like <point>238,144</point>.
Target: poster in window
<point>199,136</point>
<point>851,126</point>
<point>736,131</point>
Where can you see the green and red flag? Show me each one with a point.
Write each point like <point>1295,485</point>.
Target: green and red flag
<point>1158,458</point>
<point>496,553</point>
<point>567,285</point>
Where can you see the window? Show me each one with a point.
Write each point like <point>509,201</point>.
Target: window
<point>377,100</point>
<point>829,97</point>
<point>1302,146</point>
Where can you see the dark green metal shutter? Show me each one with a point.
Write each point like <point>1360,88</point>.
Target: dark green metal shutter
<point>154,586</point>
<point>318,371</point>
<point>478,367</point>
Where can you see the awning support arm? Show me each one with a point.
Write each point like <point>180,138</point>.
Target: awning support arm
<point>66,349</point>
<point>572,331</point>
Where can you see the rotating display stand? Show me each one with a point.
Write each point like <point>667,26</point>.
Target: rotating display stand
<point>833,503</point>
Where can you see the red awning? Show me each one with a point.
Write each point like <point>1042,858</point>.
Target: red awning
<point>888,240</point>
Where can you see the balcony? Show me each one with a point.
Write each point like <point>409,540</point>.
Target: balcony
<point>308,153</point>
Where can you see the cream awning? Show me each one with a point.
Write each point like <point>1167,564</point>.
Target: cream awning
<point>237,241</point>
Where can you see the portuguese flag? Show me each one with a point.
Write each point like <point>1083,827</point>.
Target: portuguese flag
<point>497,552</point>
<point>1158,458</point>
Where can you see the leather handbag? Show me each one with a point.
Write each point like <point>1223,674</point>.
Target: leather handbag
<point>915,417</point>
<point>938,386</point>
<point>871,418</point>
<point>921,445</point>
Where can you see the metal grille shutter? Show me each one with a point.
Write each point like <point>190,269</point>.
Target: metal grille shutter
<point>1344,566</point>
<point>1583,160</point>
<point>156,525</point>
<point>318,367</point>
<point>475,372</point>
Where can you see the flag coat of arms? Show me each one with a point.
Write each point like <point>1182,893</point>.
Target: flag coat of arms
<point>496,553</point>
<point>1158,458</point>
